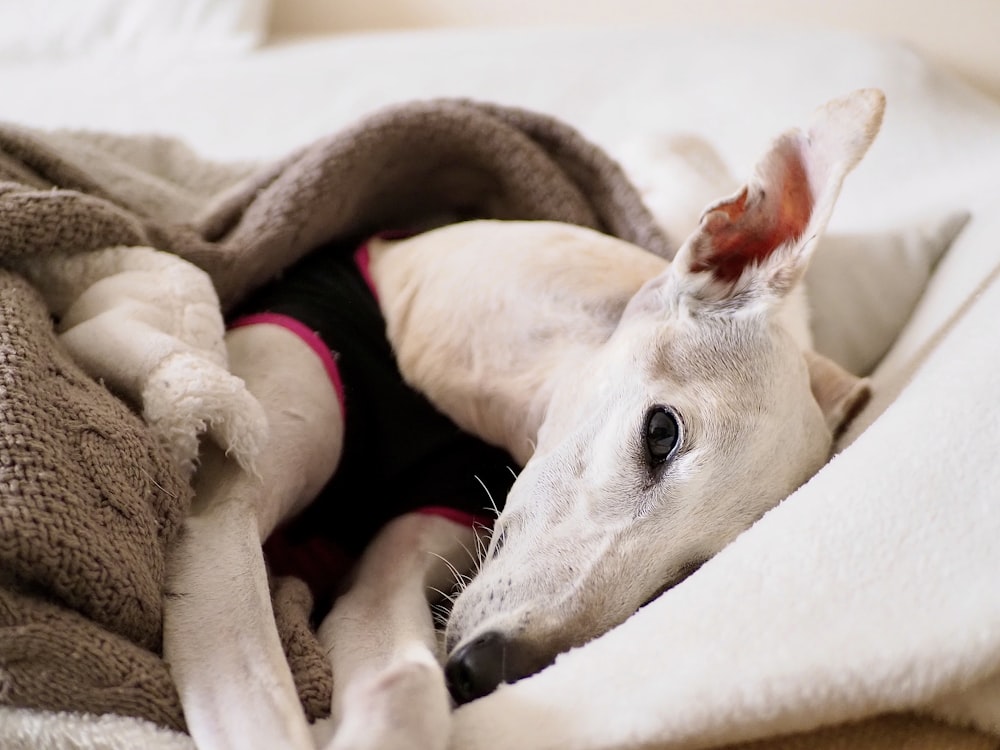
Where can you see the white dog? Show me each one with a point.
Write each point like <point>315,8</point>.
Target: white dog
<point>656,409</point>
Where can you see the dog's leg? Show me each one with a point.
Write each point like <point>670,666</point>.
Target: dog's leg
<point>220,637</point>
<point>389,688</point>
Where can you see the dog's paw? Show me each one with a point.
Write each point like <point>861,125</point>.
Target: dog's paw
<point>188,395</point>
<point>403,705</point>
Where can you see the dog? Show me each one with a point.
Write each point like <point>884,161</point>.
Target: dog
<point>651,410</point>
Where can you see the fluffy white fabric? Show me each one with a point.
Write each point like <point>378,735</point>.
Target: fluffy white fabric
<point>23,729</point>
<point>148,324</point>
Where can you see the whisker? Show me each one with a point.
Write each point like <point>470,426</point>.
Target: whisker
<point>493,504</point>
<point>461,579</point>
<point>452,568</point>
<point>168,493</point>
<point>439,592</point>
<point>440,614</point>
<point>474,557</point>
<point>481,547</point>
<point>483,537</point>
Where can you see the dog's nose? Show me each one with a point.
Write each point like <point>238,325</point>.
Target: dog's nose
<point>476,668</point>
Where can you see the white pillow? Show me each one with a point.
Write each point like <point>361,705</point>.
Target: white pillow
<point>61,29</point>
<point>860,289</point>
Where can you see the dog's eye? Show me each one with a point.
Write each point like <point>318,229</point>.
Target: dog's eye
<point>662,434</point>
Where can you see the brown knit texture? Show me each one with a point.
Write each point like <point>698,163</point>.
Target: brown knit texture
<point>54,658</point>
<point>412,164</point>
<point>311,670</point>
<point>88,505</point>
<point>89,502</point>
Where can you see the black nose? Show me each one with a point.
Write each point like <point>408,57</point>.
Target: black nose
<point>477,668</point>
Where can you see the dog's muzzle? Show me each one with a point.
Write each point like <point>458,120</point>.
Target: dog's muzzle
<point>478,667</point>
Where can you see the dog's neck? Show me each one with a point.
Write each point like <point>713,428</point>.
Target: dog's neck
<point>539,313</point>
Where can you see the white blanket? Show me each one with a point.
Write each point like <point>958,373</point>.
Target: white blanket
<point>873,588</point>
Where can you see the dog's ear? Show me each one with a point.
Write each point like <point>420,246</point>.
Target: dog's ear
<point>755,244</point>
<point>839,394</point>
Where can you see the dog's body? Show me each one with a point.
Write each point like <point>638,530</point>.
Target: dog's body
<point>657,409</point>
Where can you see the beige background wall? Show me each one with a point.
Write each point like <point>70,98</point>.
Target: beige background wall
<point>965,34</point>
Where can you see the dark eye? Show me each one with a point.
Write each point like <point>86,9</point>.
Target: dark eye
<point>662,434</point>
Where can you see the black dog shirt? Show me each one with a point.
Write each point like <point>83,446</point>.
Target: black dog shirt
<point>400,454</point>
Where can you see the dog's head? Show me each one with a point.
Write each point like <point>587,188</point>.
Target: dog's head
<point>698,414</point>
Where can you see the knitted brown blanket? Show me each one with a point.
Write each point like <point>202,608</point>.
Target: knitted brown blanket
<point>89,504</point>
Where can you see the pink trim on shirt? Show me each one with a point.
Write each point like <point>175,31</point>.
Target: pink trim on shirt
<point>461,517</point>
<point>363,261</point>
<point>362,256</point>
<point>309,336</point>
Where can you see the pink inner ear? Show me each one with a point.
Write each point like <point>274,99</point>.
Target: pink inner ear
<point>737,235</point>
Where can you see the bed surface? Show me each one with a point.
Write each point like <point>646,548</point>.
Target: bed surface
<point>614,85</point>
